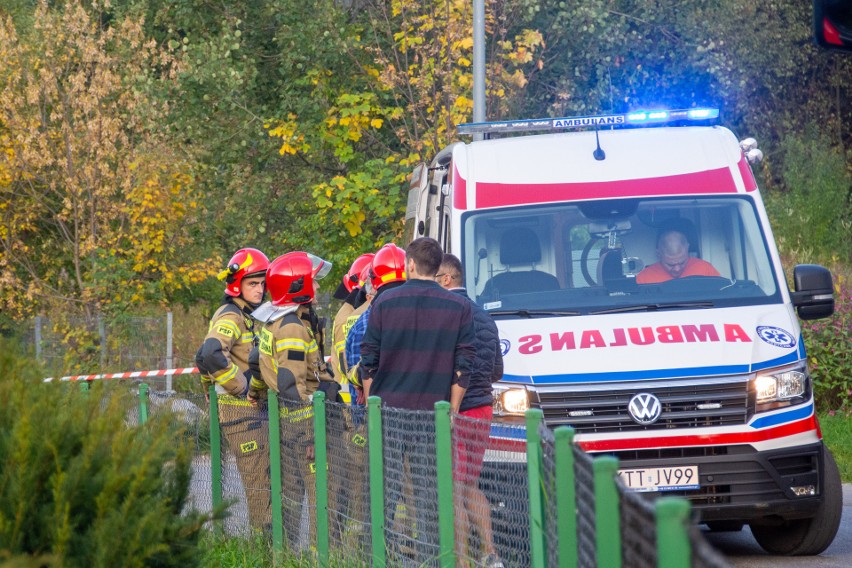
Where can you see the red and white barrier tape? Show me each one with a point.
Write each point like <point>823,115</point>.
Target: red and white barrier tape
<point>129,375</point>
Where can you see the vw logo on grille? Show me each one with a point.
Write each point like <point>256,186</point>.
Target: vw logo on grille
<point>645,408</point>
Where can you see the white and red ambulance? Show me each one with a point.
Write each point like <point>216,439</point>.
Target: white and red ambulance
<point>698,384</point>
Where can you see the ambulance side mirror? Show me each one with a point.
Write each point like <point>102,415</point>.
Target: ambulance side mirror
<point>814,295</point>
<point>833,24</point>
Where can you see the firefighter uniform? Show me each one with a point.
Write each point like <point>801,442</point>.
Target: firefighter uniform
<point>223,360</point>
<point>291,365</point>
<point>338,342</point>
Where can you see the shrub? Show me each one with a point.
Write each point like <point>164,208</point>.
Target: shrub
<point>79,486</point>
<point>812,219</point>
<point>829,345</point>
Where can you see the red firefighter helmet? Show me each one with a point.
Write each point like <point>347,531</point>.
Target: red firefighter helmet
<point>245,263</point>
<point>353,278</point>
<point>290,279</point>
<point>388,266</point>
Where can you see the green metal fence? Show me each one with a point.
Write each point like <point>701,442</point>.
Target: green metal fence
<point>379,488</point>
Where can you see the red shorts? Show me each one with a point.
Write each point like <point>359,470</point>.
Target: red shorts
<point>470,440</point>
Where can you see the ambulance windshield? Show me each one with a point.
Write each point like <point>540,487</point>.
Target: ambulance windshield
<point>618,255</point>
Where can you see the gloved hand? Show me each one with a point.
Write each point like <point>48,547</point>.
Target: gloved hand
<point>256,391</point>
<point>253,396</point>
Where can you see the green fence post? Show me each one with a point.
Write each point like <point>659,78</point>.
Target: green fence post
<point>84,386</point>
<point>673,547</point>
<point>607,519</point>
<point>215,449</point>
<point>566,497</point>
<point>275,475</point>
<point>143,403</point>
<point>321,468</point>
<point>538,551</point>
<point>444,459</point>
<point>377,480</point>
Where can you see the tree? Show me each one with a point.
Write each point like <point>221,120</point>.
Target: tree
<point>406,84</point>
<point>96,200</point>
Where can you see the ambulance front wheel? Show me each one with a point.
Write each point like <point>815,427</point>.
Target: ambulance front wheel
<point>807,537</point>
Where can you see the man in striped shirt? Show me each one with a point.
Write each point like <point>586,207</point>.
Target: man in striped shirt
<point>418,349</point>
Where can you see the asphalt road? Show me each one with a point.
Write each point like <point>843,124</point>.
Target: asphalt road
<point>743,552</point>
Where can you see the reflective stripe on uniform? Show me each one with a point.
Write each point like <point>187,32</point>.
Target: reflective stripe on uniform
<point>296,415</point>
<point>247,337</point>
<point>227,375</point>
<point>296,344</point>
<point>231,400</point>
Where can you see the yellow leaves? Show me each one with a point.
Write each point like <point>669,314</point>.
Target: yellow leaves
<point>376,123</point>
<point>463,104</point>
<point>292,141</point>
<point>353,225</point>
<point>466,43</point>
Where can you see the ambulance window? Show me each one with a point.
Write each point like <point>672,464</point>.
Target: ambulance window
<point>556,258</point>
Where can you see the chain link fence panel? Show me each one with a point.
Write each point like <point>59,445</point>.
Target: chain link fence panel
<point>410,508</point>
<point>638,529</point>
<point>504,482</point>
<point>585,487</point>
<point>349,482</point>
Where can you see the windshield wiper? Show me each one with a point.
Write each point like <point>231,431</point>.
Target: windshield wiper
<point>653,307</point>
<point>533,313</point>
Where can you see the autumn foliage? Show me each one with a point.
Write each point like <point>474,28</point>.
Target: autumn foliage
<point>143,141</point>
<point>95,198</point>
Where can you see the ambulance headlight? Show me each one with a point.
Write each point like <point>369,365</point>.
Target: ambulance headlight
<point>781,388</point>
<point>511,401</point>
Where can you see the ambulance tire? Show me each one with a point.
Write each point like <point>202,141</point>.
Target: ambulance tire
<point>807,537</point>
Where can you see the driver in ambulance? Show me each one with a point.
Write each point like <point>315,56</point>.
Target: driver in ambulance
<point>674,260</point>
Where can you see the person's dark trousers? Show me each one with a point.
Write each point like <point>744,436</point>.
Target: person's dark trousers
<point>417,446</point>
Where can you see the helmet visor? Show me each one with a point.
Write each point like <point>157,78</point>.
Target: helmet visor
<point>319,267</point>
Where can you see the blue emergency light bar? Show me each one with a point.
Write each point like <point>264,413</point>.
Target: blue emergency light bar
<point>634,118</point>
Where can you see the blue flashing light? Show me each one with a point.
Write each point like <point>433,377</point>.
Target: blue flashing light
<point>702,113</point>
<point>613,120</point>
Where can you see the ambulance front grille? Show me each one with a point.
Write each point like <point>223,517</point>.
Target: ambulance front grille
<point>683,406</point>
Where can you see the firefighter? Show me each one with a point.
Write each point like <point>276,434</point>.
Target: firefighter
<point>347,464</point>
<point>352,284</point>
<point>291,365</point>
<point>222,360</point>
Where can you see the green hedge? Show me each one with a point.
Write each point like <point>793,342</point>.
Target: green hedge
<point>80,485</point>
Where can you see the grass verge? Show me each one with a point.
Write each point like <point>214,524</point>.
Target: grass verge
<point>837,433</point>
